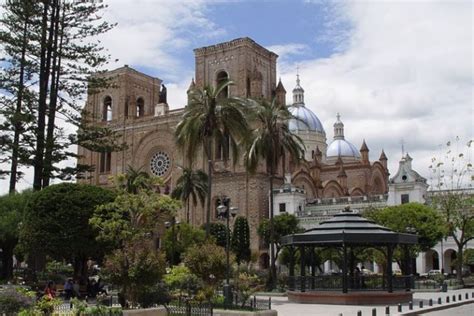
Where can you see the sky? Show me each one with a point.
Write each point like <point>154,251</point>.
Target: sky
<point>399,72</point>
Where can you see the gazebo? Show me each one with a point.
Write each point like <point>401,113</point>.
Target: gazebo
<point>347,231</point>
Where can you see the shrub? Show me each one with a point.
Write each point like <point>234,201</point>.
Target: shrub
<point>181,280</point>
<point>157,294</point>
<point>208,262</point>
<point>12,301</point>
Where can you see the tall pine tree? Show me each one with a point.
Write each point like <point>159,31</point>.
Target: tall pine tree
<point>17,73</point>
<point>52,51</point>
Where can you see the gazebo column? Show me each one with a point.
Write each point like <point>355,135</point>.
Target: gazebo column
<point>344,268</point>
<point>351,268</point>
<point>408,270</point>
<point>313,268</point>
<point>389,268</point>
<point>303,271</point>
<point>291,284</point>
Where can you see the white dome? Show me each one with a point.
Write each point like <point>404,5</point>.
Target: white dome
<point>342,148</point>
<point>309,120</point>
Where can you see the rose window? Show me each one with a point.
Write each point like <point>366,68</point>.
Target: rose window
<point>160,163</point>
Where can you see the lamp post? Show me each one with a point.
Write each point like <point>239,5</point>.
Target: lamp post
<point>225,211</point>
<point>172,224</point>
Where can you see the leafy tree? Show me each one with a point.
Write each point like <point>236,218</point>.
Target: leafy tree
<point>468,257</point>
<point>270,141</point>
<point>209,120</point>
<point>207,261</point>
<point>427,223</point>
<point>135,269</point>
<point>191,185</point>
<point>451,174</point>
<point>180,240</point>
<point>56,223</point>
<point>12,208</point>
<point>131,216</point>
<point>218,232</point>
<point>240,243</point>
<point>283,224</point>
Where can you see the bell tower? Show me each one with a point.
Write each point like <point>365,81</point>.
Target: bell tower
<point>250,66</point>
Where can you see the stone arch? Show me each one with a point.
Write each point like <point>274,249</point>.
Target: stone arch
<point>140,107</point>
<point>432,260</point>
<point>302,179</point>
<point>151,143</point>
<point>377,183</point>
<point>107,109</point>
<point>222,76</point>
<point>332,189</point>
<point>356,192</point>
<point>449,256</point>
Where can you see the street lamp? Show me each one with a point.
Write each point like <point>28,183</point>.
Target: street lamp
<point>223,211</point>
<point>172,224</point>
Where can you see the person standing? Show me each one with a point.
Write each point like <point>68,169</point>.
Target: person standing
<point>68,288</point>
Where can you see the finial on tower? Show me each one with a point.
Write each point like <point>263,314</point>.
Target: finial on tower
<point>338,116</point>
<point>297,75</point>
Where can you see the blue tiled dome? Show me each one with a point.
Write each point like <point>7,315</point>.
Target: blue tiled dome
<point>306,115</point>
<point>342,148</point>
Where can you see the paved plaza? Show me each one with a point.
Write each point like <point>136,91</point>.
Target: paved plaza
<point>286,308</point>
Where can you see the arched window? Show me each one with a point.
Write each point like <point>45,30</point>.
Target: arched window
<point>140,107</point>
<point>222,76</point>
<point>107,109</point>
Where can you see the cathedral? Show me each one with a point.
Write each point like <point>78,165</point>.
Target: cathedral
<point>136,106</point>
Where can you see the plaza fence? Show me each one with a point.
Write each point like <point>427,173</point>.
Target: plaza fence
<point>188,308</point>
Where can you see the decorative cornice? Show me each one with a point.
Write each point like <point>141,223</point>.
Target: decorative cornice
<point>242,41</point>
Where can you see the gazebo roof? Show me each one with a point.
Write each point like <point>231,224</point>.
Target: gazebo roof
<point>349,228</point>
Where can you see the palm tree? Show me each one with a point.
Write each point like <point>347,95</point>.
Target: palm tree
<point>271,139</point>
<point>191,185</point>
<point>211,119</point>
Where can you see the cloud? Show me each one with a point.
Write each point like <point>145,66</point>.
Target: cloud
<point>405,72</point>
<point>149,33</point>
<point>286,50</point>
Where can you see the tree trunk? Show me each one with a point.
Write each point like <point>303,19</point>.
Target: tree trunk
<point>209,190</point>
<point>45,63</point>
<point>459,264</point>
<point>53,100</point>
<point>17,121</point>
<point>272,234</point>
<point>187,211</point>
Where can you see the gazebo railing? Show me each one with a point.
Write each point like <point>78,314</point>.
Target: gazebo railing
<point>354,283</point>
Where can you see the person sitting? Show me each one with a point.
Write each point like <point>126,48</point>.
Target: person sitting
<point>50,291</point>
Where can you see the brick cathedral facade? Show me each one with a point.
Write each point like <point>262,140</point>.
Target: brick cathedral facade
<point>135,107</point>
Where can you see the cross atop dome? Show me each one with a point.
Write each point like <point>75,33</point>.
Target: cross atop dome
<point>338,128</point>
<point>298,91</point>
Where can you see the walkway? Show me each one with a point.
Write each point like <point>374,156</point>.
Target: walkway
<point>286,308</point>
